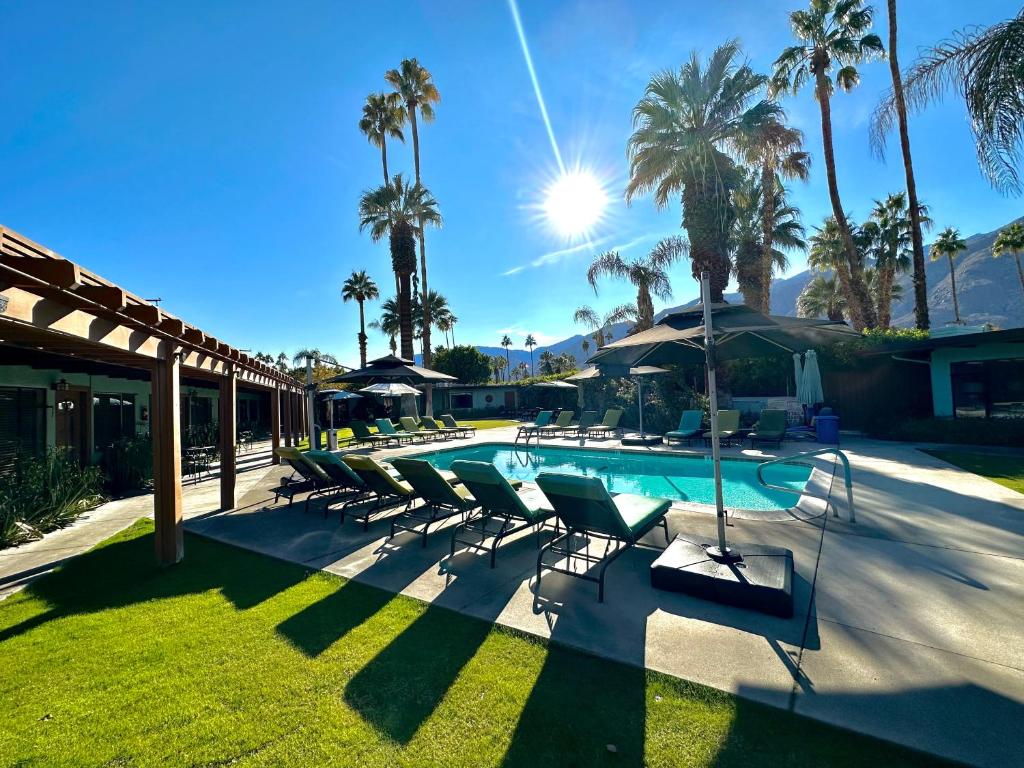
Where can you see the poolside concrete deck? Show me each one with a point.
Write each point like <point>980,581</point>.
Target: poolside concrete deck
<point>909,623</point>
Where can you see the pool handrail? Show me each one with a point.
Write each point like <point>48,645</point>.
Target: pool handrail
<point>827,499</point>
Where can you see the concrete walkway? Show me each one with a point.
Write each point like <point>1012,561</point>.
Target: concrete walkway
<point>909,623</point>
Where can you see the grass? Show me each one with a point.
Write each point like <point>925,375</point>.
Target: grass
<point>1002,469</point>
<point>234,658</point>
<point>345,433</point>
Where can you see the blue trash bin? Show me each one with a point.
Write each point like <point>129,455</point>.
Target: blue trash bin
<point>828,429</point>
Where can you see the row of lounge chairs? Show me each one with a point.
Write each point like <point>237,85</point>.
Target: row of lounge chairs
<point>491,507</point>
<point>770,428</point>
<point>563,425</point>
<point>412,430</point>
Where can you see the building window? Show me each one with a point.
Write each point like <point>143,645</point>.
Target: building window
<point>22,424</point>
<point>113,417</point>
<point>988,389</point>
<point>462,400</point>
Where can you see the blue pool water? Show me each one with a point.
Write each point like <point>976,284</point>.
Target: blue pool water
<point>680,478</point>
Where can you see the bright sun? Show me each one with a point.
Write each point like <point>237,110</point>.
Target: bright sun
<point>574,203</point>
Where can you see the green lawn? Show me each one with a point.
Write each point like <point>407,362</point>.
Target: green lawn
<point>1005,470</point>
<point>346,433</point>
<point>232,658</point>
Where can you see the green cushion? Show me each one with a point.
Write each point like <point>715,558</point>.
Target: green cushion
<point>376,477</point>
<point>771,424</point>
<point>497,495</point>
<point>584,504</point>
<point>639,512</point>
<point>430,485</point>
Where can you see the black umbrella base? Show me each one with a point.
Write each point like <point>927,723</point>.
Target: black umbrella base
<point>637,439</point>
<point>761,580</point>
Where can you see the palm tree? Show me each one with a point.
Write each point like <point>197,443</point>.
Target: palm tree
<point>397,209</point>
<point>832,32</point>
<point>530,343</point>
<point>600,326</point>
<point>827,253</point>
<point>648,274</point>
<point>890,233</point>
<point>878,133</point>
<point>383,116</point>
<point>1011,240</point>
<point>949,244</point>
<point>821,296</point>
<point>777,150</point>
<point>986,66</point>
<point>872,281</point>
<point>360,288</point>
<point>585,345</point>
<point>506,342</point>
<point>750,206</point>
<point>389,323</point>
<point>452,322</point>
<point>683,129</point>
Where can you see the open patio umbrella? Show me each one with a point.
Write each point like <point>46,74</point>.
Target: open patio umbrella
<point>595,372</point>
<point>810,386</point>
<point>393,368</point>
<point>391,389</point>
<point>709,333</point>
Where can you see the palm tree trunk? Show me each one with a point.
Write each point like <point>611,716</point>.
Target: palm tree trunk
<point>886,276</point>
<point>952,281</point>
<point>531,348</point>
<point>415,138</point>
<point>362,336</point>
<point>862,314</point>
<point>920,281</point>
<point>384,159</point>
<point>453,333</point>
<point>428,390</point>
<point>645,309</point>
<point>767,228</point>
<point>405,315</point>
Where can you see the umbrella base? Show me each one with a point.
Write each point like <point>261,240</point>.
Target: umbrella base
<point>762,580</point>
<point>638,439</point>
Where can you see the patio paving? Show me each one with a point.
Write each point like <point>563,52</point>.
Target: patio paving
<point>909,623</point>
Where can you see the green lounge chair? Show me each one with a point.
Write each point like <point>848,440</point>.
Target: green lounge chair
<point>446,432</point>
<point>314,479</point>
<point>466,430</point>
<point>347,480</point>
<point>409,424</point>
<point>542,420</point>
<point>689,428</point>
<point>441,498</point>
<point>770,428</point>
<point>362,434</point>
<point>728,427</point>
<point>385,427</point>
<point>499,502</point>
<point>562,423</point>
<point>609,424</point>
<point>385,490</point>
<point>586,508</point>
<point>586,422</point>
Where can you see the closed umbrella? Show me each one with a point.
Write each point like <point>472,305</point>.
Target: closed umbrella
<point>798,373</point>
<point>810,392</point>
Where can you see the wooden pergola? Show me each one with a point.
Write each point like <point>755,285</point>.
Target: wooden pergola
<point>52,304</point>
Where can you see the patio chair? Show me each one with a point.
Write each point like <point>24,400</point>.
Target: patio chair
<point>362,434</point>
<point>728,427</point>
<point>542,420</point>
<point>409,424</point>
<point>499,502</point>
<point>587,420</point>
<point>441,498</point>
<point>446,432</point>
<point>347,481</point>
<point>585,508</point>
<point>609,424</point>
<point>689,428</point>
<point>314,479</point>
<point>385,427</point>
<point>385,490</point>
<point>466,430</point>
<point>562,423</point>
<point>770,428</point>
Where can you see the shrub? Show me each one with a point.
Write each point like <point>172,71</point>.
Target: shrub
<point>43,494</point>
<point>128,464</point>
<point>1004,432</point>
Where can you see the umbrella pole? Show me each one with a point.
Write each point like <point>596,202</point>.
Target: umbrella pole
<point>722,551</point>
<point>640,401</point>
<point>310,403</point>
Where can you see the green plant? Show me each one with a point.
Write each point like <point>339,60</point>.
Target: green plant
<point>128,464</point>
<point>42,494</point>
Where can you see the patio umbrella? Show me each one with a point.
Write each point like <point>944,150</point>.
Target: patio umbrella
<point>391,389</point>
<point>810,389</point>
<point>594,372</point>
<point>712,332</point>
<point>397,369</point>
<point>337,394</point>
<point>798,373</point>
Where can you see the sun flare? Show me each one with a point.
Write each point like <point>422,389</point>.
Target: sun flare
<point>574,203</point>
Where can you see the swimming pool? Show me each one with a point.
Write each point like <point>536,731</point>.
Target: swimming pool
<point>680,478</point>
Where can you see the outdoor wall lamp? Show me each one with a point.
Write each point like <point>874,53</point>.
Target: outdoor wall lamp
<point>61,386</point>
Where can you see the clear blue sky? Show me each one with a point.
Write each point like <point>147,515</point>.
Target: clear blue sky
<point>208,153</point>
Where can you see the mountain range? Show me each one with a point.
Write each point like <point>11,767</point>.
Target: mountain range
<point>989,291</point>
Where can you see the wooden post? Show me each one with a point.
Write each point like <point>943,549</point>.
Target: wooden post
<point>275,424</point>
<point>166,433</point>
<point>287,418</point>
<point>296,419</point>
<point>228,432</point>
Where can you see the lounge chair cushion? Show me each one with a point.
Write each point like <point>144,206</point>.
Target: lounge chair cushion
<point>728,424</point>
<point>562,422</point>
<point>639,512</point>
<point>376,477</point>
<point>541,421</point>
<point>497,494</point>
<point>327,458</point>
<point>689,425</point>
<point>610,421</point>
<point>431,484</point>
<point>304,466</point>
<point>770,426</point>
<point>585,504</point>
<point>449,421</point>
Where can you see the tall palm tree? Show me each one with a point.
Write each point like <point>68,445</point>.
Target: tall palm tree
<point>396,209</point>
<point>821,296</point>
<point>530,343</point>
<point>359,287</point>
<point>383,116</point>
<point>648,274</point>
<point>684,129</point>
<point>506,342</point>
<point>827,253</point>
<point>878,133</point>
<point>777,150</point>
<point>890,233</point>
<point>389,323</point>
<point>986,66</point>
<point>786,231</point>
<point>872,281</point>
<point>452,322</point>
<point>1011,240</point>
<point>600,327</point>
<point>949,244</point>
<point>832,32</point>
